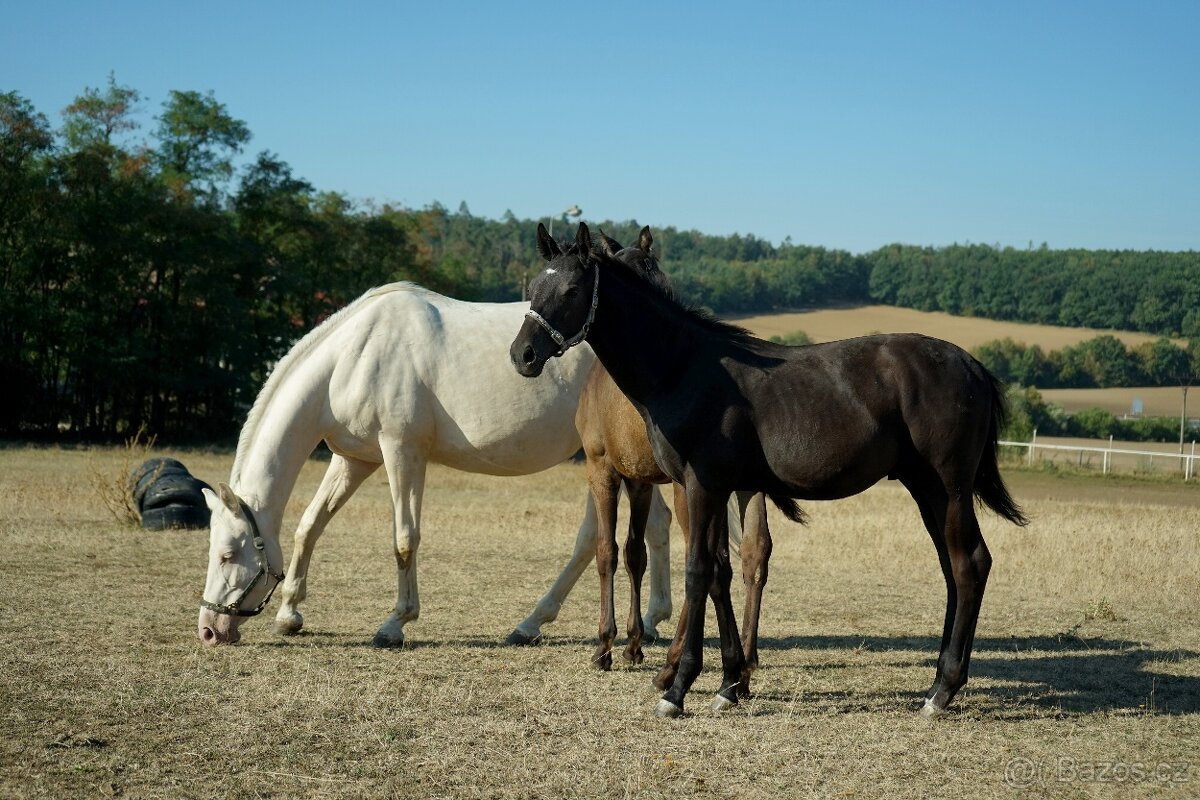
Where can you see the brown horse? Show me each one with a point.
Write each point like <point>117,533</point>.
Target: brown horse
<point>618,451</point>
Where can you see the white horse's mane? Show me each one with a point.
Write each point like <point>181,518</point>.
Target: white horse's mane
<point>301,348</point>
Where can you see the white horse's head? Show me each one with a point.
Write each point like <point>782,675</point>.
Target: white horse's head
<point>241,577</point>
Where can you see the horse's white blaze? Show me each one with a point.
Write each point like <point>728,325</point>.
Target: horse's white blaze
<point>403,376</point>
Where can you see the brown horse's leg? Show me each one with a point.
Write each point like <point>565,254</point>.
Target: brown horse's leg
<point>604,482</point>
<point>970,563</point>
<point>756,553</point>
<point>666,675</point>
<point>640,495</point>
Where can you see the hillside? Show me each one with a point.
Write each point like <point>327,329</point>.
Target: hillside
<point>824,325</point>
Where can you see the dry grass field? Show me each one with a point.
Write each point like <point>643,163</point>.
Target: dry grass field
<point>1085,680</point>
<point>1157,401</point>
<point>827,324</point>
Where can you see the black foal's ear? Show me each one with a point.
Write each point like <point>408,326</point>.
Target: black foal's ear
<point>547,248</point>
<point>645,240</point>
<point>583,240</point>
<point>609,245</point>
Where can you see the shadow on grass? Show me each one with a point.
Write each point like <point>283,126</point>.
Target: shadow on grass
<point>1012,678</point>
<point>1021,677</point>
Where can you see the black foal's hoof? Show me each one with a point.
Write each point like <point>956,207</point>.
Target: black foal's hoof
<point>667,710</point>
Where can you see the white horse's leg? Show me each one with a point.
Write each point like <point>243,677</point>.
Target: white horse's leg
<point>342,478</point>
<point>658,545</point>
<point>529,630</point>
<point>406,475</point>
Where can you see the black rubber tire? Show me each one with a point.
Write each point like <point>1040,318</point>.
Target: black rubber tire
<point>173,489</point>
<point>150,471</point>
<point>175,518</point>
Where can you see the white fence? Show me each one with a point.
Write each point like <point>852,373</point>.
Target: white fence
<point>1143,460</point>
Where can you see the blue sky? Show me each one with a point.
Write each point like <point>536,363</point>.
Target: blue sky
<point>841,124</point>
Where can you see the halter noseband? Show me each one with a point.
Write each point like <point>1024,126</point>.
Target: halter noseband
<point>563,343</point>
<point>264,568</point>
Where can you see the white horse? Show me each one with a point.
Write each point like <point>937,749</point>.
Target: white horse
<point>401,377</point>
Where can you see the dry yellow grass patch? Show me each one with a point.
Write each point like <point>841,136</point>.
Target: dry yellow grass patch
<point>1087,657</point>
<point>827,324</point>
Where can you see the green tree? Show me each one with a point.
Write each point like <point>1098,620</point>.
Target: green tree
<point>28,258</point>
<point>197,139</point>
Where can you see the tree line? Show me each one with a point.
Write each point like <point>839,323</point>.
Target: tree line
<point>1102,362</point>
<point>146,281</point>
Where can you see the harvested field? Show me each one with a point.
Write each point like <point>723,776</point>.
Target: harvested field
<point>826,324</point>
<point>1085,681</point>
<point>1157,401</point>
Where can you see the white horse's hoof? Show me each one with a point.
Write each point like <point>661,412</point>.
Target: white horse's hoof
<point>519,639</point>
<point>930,711</point>
<point>287,626</point>
<point>385,641</point>
<point>721,703</point>
<point>667,710</point>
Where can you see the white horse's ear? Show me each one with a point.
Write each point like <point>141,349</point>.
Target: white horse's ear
<point>210,499</point>
<point>229,499</point>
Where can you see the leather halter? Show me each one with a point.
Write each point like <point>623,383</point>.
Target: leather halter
<point>563,343</point>
<point>264,568</point>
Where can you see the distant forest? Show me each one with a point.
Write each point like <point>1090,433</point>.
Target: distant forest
<point>145,282</point>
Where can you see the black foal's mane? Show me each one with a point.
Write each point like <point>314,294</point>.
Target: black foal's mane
<point>702,317</point>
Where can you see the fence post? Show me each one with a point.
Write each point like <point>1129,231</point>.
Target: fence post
<point>1032,444</point>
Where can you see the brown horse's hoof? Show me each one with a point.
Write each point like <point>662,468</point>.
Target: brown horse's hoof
<point>518,639</point>
<point>633,655</point>
<point>664,678</point>
<point>602,660</point>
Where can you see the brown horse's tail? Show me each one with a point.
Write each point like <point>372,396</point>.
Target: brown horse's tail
<point>989,485</point>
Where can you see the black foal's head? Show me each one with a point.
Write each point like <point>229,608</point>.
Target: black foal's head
<point>561,302</point>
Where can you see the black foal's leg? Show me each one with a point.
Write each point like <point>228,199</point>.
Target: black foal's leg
<point>666,675</point>
<point>640,495</point>
<point>733,660</point>
<point>756,553</point>
<point>970,563</point>
<point>931,501</point>
<point>703,508</point>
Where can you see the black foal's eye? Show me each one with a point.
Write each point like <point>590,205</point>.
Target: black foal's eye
<point>571,291</point>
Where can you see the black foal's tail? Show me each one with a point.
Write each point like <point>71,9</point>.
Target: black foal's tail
<point>989,485</point>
